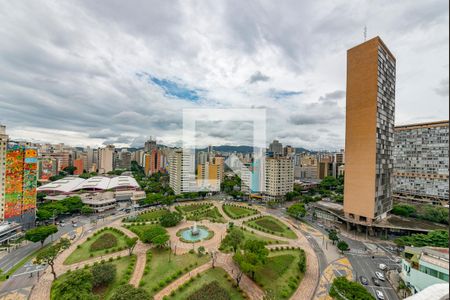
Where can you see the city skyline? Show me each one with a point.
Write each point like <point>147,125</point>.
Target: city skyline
<point>129,76</point>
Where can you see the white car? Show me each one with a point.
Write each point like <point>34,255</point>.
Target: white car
<point>380,295</point>
<point>380,276</point>
<point>382,267</point>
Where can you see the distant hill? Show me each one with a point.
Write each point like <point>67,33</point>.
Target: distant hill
<point>246,149</point>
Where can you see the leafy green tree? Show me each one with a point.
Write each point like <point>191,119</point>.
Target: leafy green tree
<point>129,292</point>
<point>403,210</point>
<point>154,231</point>
<point>40,234</point>
<point>253,256</point>
<point>103,274</point>
<point>438,238</point>
<point>48,255</point>
<point>131,244</point>
<point>333,236</point>
<point>160,241</point>
<point>86,210</point>
<point>329,183</point>
<point>297,210</point>
<point>342,246</point>
<point>343,289</point>
<point>294,195</point>
<point>201,251</point>
<point>234,239</point>
<point>435,214</point>
<point>170,219</point>
<point>76,285</point>
<point>70,170</point>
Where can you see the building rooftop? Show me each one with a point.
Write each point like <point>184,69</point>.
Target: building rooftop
<point>435,292</point>
<point>422,125</point>
<point>73,184</point>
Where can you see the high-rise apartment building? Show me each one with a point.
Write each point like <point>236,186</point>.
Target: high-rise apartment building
<point>421,164</point>
<point>210,175</point>
<point>369,143</point>
<point>106,159</point>
<point>79,165</point>
<point>279,177</point>
<point>3,144</point>
<point>276,148</point>
<point>150,145</point>
<point>18,182</point>
<point>309,167</point>
<point>182,172</point>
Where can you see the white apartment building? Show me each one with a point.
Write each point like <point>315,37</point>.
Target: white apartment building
<point>3,143</point>
<point>421,163</point>
<point>182,172</point>
<point>279,177</point>
<point>106,159</point>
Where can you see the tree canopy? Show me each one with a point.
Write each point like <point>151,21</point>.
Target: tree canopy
<point>342,289</point>
<point>48,255</point>
<point>77,285</point>
<point>40,234</point>
<point>171,219</point>
<point>254,255</point>
<point>234,239</point>
<point>438,238</point>
<point>297,210</point>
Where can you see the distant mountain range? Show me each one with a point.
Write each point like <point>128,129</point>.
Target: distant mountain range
<point>246,149</point>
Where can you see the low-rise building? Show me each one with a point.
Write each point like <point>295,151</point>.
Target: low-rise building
<point>424,267</point>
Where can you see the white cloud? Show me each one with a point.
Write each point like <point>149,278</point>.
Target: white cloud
<point>69,69</point>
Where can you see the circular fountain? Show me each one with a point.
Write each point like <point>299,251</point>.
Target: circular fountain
<point>194,234</point>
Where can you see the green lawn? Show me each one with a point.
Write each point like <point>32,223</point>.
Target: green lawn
<point>83,252</point>
<point>160,272</point>
<point>271,225</point>
<point>238,212</point>
<point>152,215</point>
<point>187,209</point>
<point>205,278</point>
<point>122,265</point>
<point>211,214</point>
<point>248,235</point>
<point>139,229</point>
<point>281,276</point>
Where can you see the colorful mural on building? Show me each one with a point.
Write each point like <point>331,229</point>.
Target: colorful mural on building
<point>20,180</point>
<point>30,179</point>
<point>47,168</point>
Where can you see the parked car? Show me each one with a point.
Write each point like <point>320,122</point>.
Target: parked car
<point>376,281</point>
<point>380,295</point>
<point>382,267</point>
<point>380,276</point>
<point>363,280</point>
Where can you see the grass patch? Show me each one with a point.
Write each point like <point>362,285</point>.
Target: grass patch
<point>188,209</point>
<point>85,252</point>
<point>125,267</point>
<point>238,211</point>
<point>150,216</point>
<point>105,241</point>
<point>281,276</point>
<point>197,286</point>
<point>160,272</point>
<point>271,225</point>
<point>249,235</point>
<point>211,214</point>
<point>140,229</point>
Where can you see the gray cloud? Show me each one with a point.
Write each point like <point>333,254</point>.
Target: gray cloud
<point>69,68</point>
<point>443,88</point>
<point>333,96</point>
<point>258,77</point>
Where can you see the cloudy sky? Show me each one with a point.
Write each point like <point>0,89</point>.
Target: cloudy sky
<point>95,72</point>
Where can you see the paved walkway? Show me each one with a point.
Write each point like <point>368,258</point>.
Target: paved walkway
<point>338,268</point>
<point>42,289</point>
<point>304,292</point>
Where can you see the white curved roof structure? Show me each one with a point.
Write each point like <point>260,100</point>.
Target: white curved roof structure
<point>73,184</point>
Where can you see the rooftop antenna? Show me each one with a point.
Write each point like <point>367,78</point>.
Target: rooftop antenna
<point>365,33</point>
